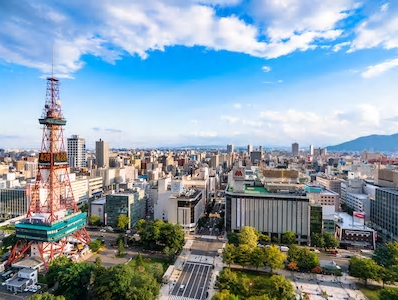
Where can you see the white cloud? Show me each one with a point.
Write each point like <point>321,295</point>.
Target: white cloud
<point>237,105</point>
<point>376,70</point>
<point>266,69</point>
<point>109,29</point>
<point>370,114</point>
<point>384,7</point>
<point>339,46</point>
<point>229,119</point>
<point>380,29</point>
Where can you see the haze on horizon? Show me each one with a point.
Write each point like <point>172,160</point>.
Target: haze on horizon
<point>211,72</point>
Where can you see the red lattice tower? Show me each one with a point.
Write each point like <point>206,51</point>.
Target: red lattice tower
<point>53,218</point>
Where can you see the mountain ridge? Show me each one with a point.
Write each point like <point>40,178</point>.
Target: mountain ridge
<point>373,142</point>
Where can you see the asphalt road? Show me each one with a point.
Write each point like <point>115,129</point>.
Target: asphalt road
<point>193,282</point>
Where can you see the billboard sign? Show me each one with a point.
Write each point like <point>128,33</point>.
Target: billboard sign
<point>359,217</point>
<point>239,173</point>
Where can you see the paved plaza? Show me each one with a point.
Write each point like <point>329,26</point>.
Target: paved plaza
<point>321,287</point>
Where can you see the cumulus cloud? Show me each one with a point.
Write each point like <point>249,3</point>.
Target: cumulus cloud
<point>376,70</point>
<point>110,30</point>
<point>379,29</point>
<point>266,69</point>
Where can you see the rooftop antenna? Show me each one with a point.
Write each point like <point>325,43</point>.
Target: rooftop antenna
<point>52,60</point>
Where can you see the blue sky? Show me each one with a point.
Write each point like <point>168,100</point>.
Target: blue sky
<point>188,72</point>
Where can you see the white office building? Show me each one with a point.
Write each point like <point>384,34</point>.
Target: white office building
<point>76,152</point>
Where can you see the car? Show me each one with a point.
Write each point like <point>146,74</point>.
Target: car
<point>315,250</point>
<point>182,286</point>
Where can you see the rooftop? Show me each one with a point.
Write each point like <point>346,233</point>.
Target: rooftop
<point>255,190</point>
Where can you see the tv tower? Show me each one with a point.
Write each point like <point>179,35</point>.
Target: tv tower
<point>53,219</point>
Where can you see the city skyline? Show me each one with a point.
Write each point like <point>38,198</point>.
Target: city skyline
<point>213,72</point>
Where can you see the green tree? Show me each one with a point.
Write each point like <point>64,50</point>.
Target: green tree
<point>387,255</point>
<point>123,282</point>
<point>229,254</point>
<point>45,296</point>
<point>139,263</point>
<point>169,253</point>
<point>122,221</point>
<point>387,275</point>
<point>317,240</point>
<point>273,257</point>
<point>330,240</point>
<point>248,236</point>
<point>140,224</point>
<point>95,245</point>
<point>94,220</point>
<point>233,238</point>
<point>308,259</point>
<point>289,237</point>
<point>280,288</point>
<point>227,280</point>
<point>120,248</point>
<point>294,253</point>
<point>257,257</point>
<point>388,294</point>
<point>242,254</point>
<point>73,278</point>
<point>9,241</point>
<point>364,269</point>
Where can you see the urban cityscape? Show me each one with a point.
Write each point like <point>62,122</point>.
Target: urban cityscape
<point>216,182</point>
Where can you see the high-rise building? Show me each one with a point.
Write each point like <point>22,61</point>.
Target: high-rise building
<point>230,149</point>
<point>383,212</point>
<point>295,149</point>
<point>76,152</point>
<point>102,154</point>
<point>311,149</point>
<point>249,148</point>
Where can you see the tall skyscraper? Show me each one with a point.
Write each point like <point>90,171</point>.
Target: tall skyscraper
<point>76,152</point>
<point>102,154</point>
<point>295,149</point>
<point>311,149</point>
<point>230,149</point>
<point>249,149</point>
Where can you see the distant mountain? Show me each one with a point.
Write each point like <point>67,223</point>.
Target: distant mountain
<point>372,142</point>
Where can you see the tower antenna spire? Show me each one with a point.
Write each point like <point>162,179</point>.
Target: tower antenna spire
<point>52,61</point>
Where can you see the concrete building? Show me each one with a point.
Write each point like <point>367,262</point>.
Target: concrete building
<point>102,154</point>
<point>95,187</point>
<point>130,203</point>
<point>360,203</point>
<point>311,150</point>
<point>387,178</point>
<point>25,278</point>
<point>14,202</point>
<point>98,207</point>
<point>230,149</point>
<point>271,209</point>
<point>79,187</point>
<point>76,152</point>
<point>350,186</point>
<point>249,149</point>
<point>352,235</point>
<point>295,149</point>
<point>330,183</point>
<point>384,213</point>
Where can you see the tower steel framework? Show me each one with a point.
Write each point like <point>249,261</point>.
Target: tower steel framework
<point>53,219</point>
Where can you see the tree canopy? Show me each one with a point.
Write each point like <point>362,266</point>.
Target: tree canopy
<point>122,221</point>
<point>160,234</point>
<point>289,237</point>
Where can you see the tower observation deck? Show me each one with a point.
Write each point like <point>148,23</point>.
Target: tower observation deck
<point>53,219</point>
